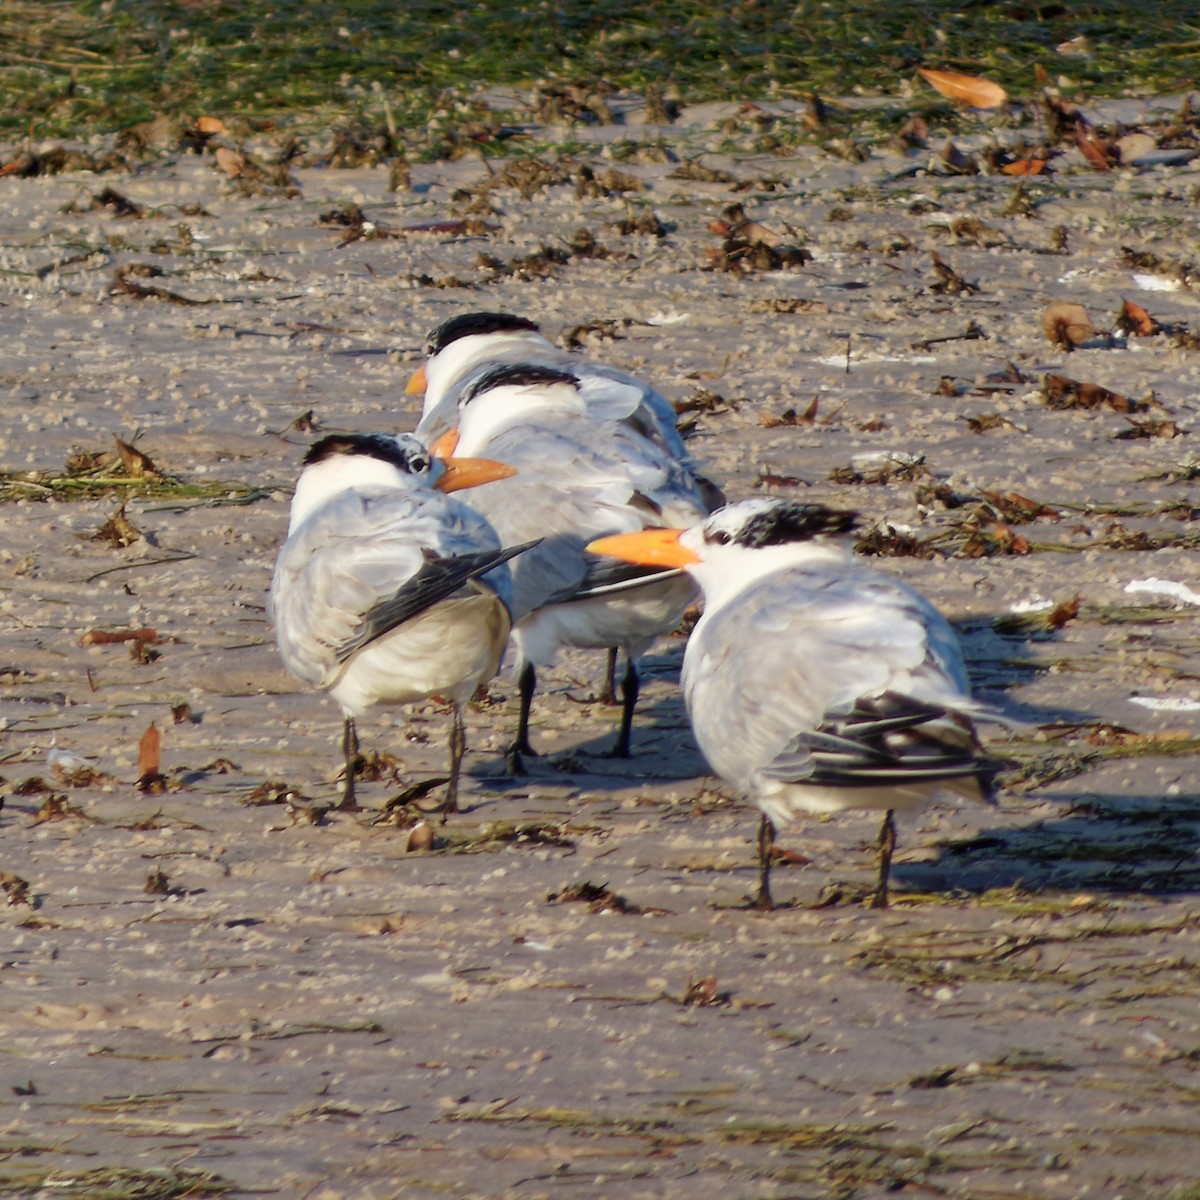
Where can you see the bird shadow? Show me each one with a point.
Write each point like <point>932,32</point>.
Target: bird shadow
<point>1118,844</point>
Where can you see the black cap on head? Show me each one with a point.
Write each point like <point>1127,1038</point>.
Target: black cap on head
<point>793,521</point>
<point>515,375</point>
<point>401,450</point>
<point>471,324</point>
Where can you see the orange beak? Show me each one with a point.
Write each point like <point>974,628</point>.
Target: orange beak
<point>417,382</point>
<point>464,473</point>
<point>648,548</point>
<point>445,445</point>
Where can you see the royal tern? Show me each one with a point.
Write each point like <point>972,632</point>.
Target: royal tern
<point>577,478</point>
<point>814,682</point>
<point>387,590</point>
<point>457,348</point>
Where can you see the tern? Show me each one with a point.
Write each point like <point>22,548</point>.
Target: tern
<point>814,682</point>
<point>388,590</point>
<point>460,346</point>
<point>577,478</point>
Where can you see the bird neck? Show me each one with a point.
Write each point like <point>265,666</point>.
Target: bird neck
<point>725,575</point>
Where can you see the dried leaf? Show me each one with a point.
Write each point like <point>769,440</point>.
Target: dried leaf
<point>14,887</point>
<point>1025,166</point>
<point>149,752</point>
<point>596,896</point>
<point>230,161</point>
<point>157,883</point>
<point>1012,506</point>
<point>139,465</point>
<point>1066,611</point>
<point>211,126</point>
<point>1098,152</point>
<point>1062,392</point>
<point>1067,325</point>
<point>969,89</point>
<point>949,282</point>
<point>1150,428</point>
<point>701,993</point>
<point>106,637</point>
<point>56,807</point>
<point>1133,318</point>
<point>420,837</point>
<point>118,530</point>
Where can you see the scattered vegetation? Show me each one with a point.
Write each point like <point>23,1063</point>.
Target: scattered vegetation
<point>98,65</point>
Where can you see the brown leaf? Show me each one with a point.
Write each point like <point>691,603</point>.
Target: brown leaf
<point>1150,428</point>
<point>14,887</point>
<point>158,883</point>
<point>106,637</point>
<point>1133,318</point>
<point>135,462</point>
<point>701,993</point>
<point>149,752</point>
<point>949,281</point>
<point>56,807</point>
<point>420,837</point>
<point>956,160</point>
<point>1097,151</point>
<point>1012,506</point>
<point>1025,166</point>
<point>1062,392</point>
<point>1066,611</point>
<point>230,161</point>
<point>969,89</point>
<point>1067,325</point>
<point>211,126</point>
<point>118,530</point>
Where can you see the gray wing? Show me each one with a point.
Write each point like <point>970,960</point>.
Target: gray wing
<point>358,553</point>
<point>578,480</point>
<point>437,580</point>
<point>830,672</point>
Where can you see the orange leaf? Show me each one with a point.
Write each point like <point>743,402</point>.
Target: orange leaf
<point>149,752</point>
<point>1093,149</point>
<point>1137,320</point>
<point>970,89</point>
<point>108,637</point>
<point>1025,166</point>
<point>211,126</point>
<point>230,161</point>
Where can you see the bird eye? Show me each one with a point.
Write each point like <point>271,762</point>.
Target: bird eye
<point>419,464</point>
<point>719,536</point>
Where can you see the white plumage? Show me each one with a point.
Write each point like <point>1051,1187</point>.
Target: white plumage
<point>578,477</point>
<point>387,590</point>
<point>815,683</point>
<point>463,345</point>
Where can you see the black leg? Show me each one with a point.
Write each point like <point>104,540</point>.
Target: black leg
<point>630,687</point>
<point>887,845</point>
<point>766,845</point>
<point>608,694</point>
<point>350,750</point>
<point>527,683</point>
<point>458,746</point>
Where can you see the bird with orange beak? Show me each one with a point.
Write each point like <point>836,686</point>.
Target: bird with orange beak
<point>388,590</point>
<point>814,682</point>
<point>578,477</point>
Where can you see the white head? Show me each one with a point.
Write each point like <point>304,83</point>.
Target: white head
<point>498,397</point>
<point>460,345</point>
<point>738,544</point>
<point>355,461</point>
